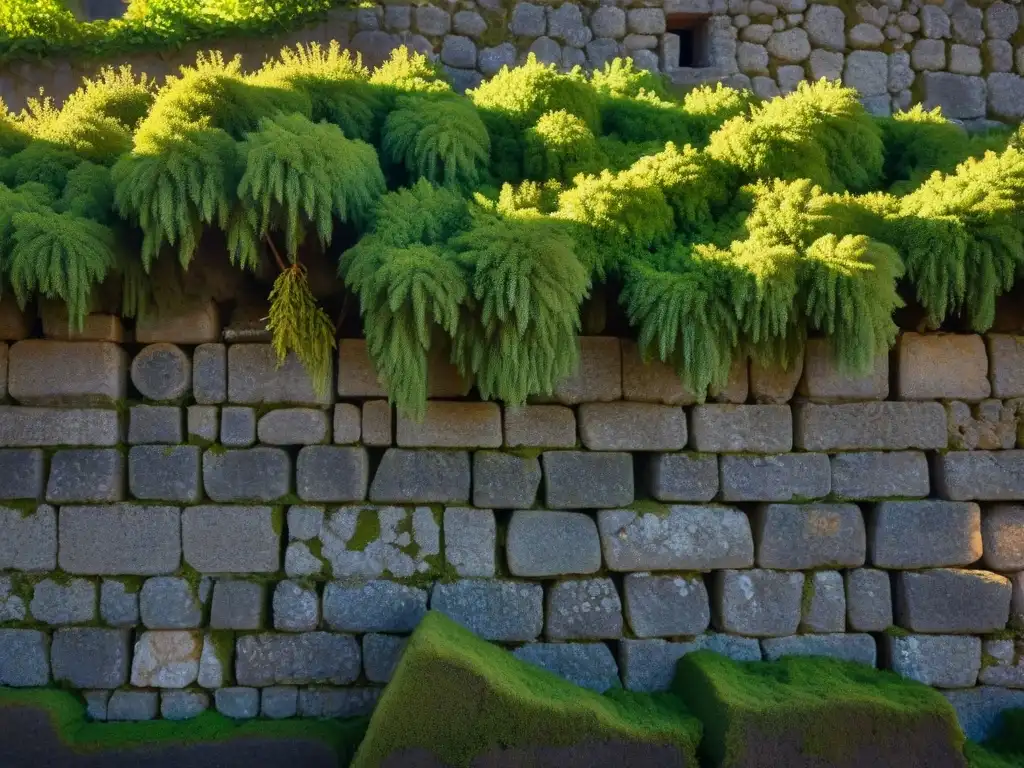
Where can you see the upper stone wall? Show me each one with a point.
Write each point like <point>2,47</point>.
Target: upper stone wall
<point>965,56</point>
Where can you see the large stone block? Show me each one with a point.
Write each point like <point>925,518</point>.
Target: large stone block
<point>980,475</point>
<point>168,602</point>
<point>980,709</point>
<point>164,473</point>
<point>942,366</point>
<point>302,659</point>
<point>91,372</point>
<point>540,426</point>
<point>942,661</point>
<point>254,377</point>
<point>197,322</point>
<point>858,648</point>
<point>540,543</point>
<point>588,665</point>
<point>56,603</point>
<point>879,475</point>
<point>155,424</point>
<point>332,473</point>
<point>869,426</point>
<point>90,658</point>
<point>297,426</point>
<point>237,605</point>
<point>1002,533</point>
<point>824,603</point>
<point>783,477</point>
<point>867,71</point>
<point>506,611</point>
<point>86,475</point>
<point>406,476</point>
<point>925,534</point>
<point>962,97</point>
<point>230,539</point>
<point>585,609</point>
<point>237,426</point>
<point>504,480</point>
<point>470,541</point>
<point>119,604</point>
<point>28,427</point>
<point>28,542</point>
<point>452,425</point>
<point>120,539</point>
<point>598,378</point>
<point>632,427</point>
<point>166,659</point>
<point>375,606</point>
<point>682,476</point>
<point>868,600</point>
<point>296,607</point>
<point>357,377</point>
<point>805,536</point>
<point>953,601</point>
<point>742,428</point>
<point>1006,364</point>
<point>758,603</point>
<point>24,658</point>
<point>684,538</point>
<point>22,473</point>
<point>162,372</point>
<point>253,474</point>
<point>381,654</point>
<point>577,479</point>
<point>666,606</point>
<point>650,665</point>
<point>210,374</point>
<point>1006,96</point>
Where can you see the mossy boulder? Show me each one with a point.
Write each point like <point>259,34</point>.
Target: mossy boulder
<point>457,700</point>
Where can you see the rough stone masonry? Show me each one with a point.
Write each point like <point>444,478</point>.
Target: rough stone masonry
<point>184,525</point>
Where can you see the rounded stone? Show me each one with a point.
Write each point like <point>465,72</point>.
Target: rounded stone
<point>790,46</point>
<point>162,372</point>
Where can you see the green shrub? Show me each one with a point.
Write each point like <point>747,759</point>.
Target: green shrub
<point>560,146</point>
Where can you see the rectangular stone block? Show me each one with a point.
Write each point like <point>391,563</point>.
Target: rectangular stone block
<point>155,424</point>
<point>741,428</point>
<point>504,480</point>
<point>578,479</point>
<point>164,473</point>
<point>1002,533</point>
<point>254,377</point>
<point>650,665</point>
<point>857,648</point>
<point>195,322</point>
<point>682,476</point>
<point>878,475</point>
<point>806,536</point>
<point>252,474</point>
<point>120,540</point>
<point>347,424</point>
<point>332,473</point>
<point>203,424</point>
<point>542,543</point>
<point>24,658</point>
<point>405,476</point>
<point>91,658</point>
<point>238,605</point>
<point>86,475</point>
<point>869,426</point>
<point>279,702</point>
<point>22,474</point>
<point>470,541</point>
<point>28,542</point>
<point>757,603</point>
<point>28,427</point>
<point>73,602</point>
<point>297,426</point>
<point>1006,364</point>
<point>824,603</point>
<point>666,606</point>
<point>337,703</point>
<point>868,600</point>
<point>980,475</point>
<point>230,539</point>
<point>773,384</point>
<point>1004,667</point>
<point>584,609</point>
<point>377,418</point>
<point>210,374</point>
<point>925,534</point>
<point>598,378</point>
<point>588,665</point>
<point>302,659</point>
<point>653,381</point>
<point>942,661</point>
<point>505,611</point>
<point>166,659</point>
<point>237,426</point>
<point>381,654</point>
<point>170,602</point>
<point>783,477</point>
<point>952,601</point>
<point>824,382</point>
<point>358,378</point>
<point>374,606</point>
<point>540,426</point>
<point>90,372</point>
<point>942,366</point>
<point>632,427</point>
<point>452,425</point>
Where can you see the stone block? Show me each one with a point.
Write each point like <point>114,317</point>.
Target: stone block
<point>368,543</point>
<point>942,661</point>
<point>452,425</point>
<point>504,480</point>
<point>376,423</point>
<point>773,384</point>
<point>650,665</point>
<point>425,476</point>
<point>806,536</point>
<point>22,473</point>
<point>504,611</point>
<point>653,381</point>
<point>1002,533</point>
<point>491,60</point>
<point>470,541</point>
<point>28,542</point>
<point>231,539</point>
<point>826,27</point>
<point>337,702</point>
<point>14,322</point>
<point>279,702</point>
<point>24,658</point>
<point>73,602</point>
<point>588,665</point>
<point>155,424</point>
<point>12,604</point>
<point>962,97</point>
<point>29,427</point>
<point>925,534</point>
<point>162,372</point>
<point>541,543</point>
<point>119,607</point>
<point>988,425</point>
<point>458,51</point>
<point>203,424</point>
<point>1003,665</point>
<point>255,378</point>
<point>979,475</point>
<point>666,606</point>
<point>824,603</point>
<point>632,427</point>
<point>878,475</point>
<point>347,424</point>
<point>215,660</point>
<point>682,476</point>
<point>183,705</point>
<point>1006,364</point>
<point>942,366</point>
<point>375,606</point>
<point>196,323</point>
<point>90,658</point>
<point>758,603</point>
<point>952,601</point>
<point>91,372</point>
<point>584,609</point>
<point>742,428</point>
<point>133,706</point>
<point>237,703</point>
<point>868,600</point>
<point>166,659</point>
<point>332,473</point>
<point>210,374</point>
<point>237,426</point>
<point>164,473</point>
<point>528,20</point>
<point>783,477</point>
<point>598,378</point>
<point>300,659</point>
<point>120,539</point>
<point>540,426</point>
<point>84,475</point>
<point>867,71</point>
<point>167,602</point>
<point>980,709</point>
<point>578,479</point>
<point>357,377</point>
<point>858,648</point>
<point>253,474</point>
<point>305,523</point>
<point>381,654</point>
<point>237,605</point>
<point>1006,96</point>
<point>296,607</point>
<point>886,426</point>
<point>683,538</point>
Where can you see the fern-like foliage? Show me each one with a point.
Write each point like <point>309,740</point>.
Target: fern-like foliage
<point>560,146</point>
<point>622,78</point>
<point>646,117</point>
<point>407,71</point>
<point>298,324</point>
<point>40,163</point>
<point>89,192</point>
<point>710,106</point>
<point>13,134</point>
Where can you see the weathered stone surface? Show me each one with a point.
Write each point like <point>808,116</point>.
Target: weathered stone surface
<point>790,46</point>
<point>585,609</point>
<point>432,21</point>
<point>452,425</point>
<point>237,426</point>
<point>155,424</point>
<point>279,701</point>
<point>826,26</point>
<point>682,476</point>
<point>980,475</point>
<point>120,539</point>
<point>162,372</point>
<point>231,539</point>
<point>29,427</point>
<point>504,480</point>
<point>632,427</point>
<point>925,534</point>
<point>867,71</point>
<point>166,659</point>
<point>491,60</point>
<point>1001,21</point>
<point>1006,95</point>
<point>215,660</point>
<point>381,654</point>
<point>505,611</point>
<point>589,665</point>
<point>928,55</point>
<point>578,479</point>
<point>868,600</point>
<point>869,426</point>
<point>73,602</point>
<point>772,384</point>
<point>1002,532</point>
<point>196,323</point>
<point>742,428</point>
<point>12,605</point>
<point>406,476</point>
<point>1006,364</point>
<point>859,648</point>
<point>346,426</point>
<point>666,606</point>
<point>998,55</point>
<point>237,605</point>
<point>980,709</point>
<point>783,477</point>
<point>752,58</point>
<point>237,703</point>
<point>458,51</point>
<point>337,702</point>
<point>301,659</point>
<point>300,426</point>
<point>24,658</point>
<point>962,97</point>
<point>602,50</point>
<point>599,375</point>
<point>369,543</point>
<point>686,538</point>
<point>541,543</point>
<point>296,607</point>
<point>805,536</point>
<point>824,382</point>
<point>1004,666</point>
<point>22,473</point>
<point>646,21</point>
<point>331,473</point>
<point>943,661</point>
<point>183,705</point>
<point>608,21</point>
<point>942,366</point>
<point>91,372</point>
<point>650,665</point>
<point>376,606</point>
<point>872,475</point>
<point>540,426</point>
<point>84,475</point>
<point>952,600</point>
<point>14,322</point>
<point>470,540</point>
<point>119,607</point>
<point>169,603</point>
<point>965,60</point>
<point>203,424</point>
<point>376,426</point>
<point>254,378</point>
<point>210,374</point>
<point>164,473</point>
<point>253,474</point>
<point>133,706</point>
<point>469,23</point>
<point>305,523</point>
<point>757,602</point>
<point>28,542</point>
<point>357,377</point>
<point>90,658</point>
<point>651,381</point>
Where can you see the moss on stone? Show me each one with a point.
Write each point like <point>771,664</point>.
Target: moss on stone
<point>650,507</point>
<point>367,531</point>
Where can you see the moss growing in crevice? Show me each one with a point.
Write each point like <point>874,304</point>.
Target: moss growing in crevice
<point>367,531</point>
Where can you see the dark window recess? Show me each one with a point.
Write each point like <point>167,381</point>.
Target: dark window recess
<point>693,39</point>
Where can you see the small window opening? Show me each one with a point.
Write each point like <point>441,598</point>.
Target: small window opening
<point>691,30</point>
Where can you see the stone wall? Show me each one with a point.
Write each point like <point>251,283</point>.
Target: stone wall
<point>966,56</point>
<point>185,525</point>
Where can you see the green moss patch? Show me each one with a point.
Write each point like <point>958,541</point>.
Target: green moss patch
<point>458,698</point>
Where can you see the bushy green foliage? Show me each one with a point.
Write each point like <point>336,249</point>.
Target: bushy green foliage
<point>407,70</point>
<point>560,146</point>
<point>622,78</point>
